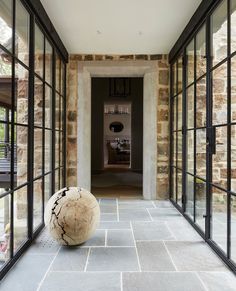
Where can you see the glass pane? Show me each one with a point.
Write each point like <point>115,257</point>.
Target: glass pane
<point>201,153</point>
<point>179,181</point>
<point>190,151</point>
<point>57,177</point>
<point>38,152</point>
<point>62,78</point>
<point>190,107</point>
<point>47,150</point>
<point>57,112</point>
<point>219,95</point>
<point>21,80</point>
<point>219,218</point>
<point>233,89</point>
<point>179,148</point>
<point>201,52</point>
<point>174,149</point>
<point>48,62</point>
<point>174,184</point>
<point>6,16</point>
<point>62,114</point>
<point>21,133</point>
<point>5,157</point>
<point>48,107</point>
<point>58,74</point>
<point>22,33</point>
<point>61,148</point>
<point>5,229</point>
<point>190,196</point>
<point>38,203</point>
<point>180,74</point>
<point>190,62</point>
<point>200,203</point>
<point>233,158</point>
<point>174,79</point>
<point>233,228</point>
<point>38,102</point>
<point>47,187</point>
<point>174,113</point>
<point>39,51</point>
<point>57,149</point>
<point>61,178</point>
<point>180,112</point>
<point>20,217</point>
<point>233,26</point>
<point>219,33</point>
<point>5,90</point>
<point>219,159</point>
<point>201,103</point>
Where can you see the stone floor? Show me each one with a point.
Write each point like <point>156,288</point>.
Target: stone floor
<point>140,245</point>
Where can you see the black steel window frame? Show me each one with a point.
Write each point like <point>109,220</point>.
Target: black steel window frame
<point>203,17</point>
<point>58,49</point>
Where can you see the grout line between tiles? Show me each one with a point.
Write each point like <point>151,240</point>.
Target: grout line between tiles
<point>154,205</point>
<point>86,264</point>
<point>170,256</point>
<point>149,214</point>
<point>170,230</point>
<point>48,269</point>
<point>200,279</point>
<point>135,245</point>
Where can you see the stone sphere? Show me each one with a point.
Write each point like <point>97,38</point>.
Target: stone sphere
<point>72,216</point>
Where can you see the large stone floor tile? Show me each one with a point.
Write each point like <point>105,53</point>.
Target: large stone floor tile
<point>134,215</point>
<point>160,214</point>
<point>134,204</point>
<point>114,225</point>
<point>44,244</point>
<point>153,256</point>
<point>70,259</point>
<point>194,256</point>
<point>27,274</point>
<point>162,281</point>
<point>163,204</point>
<point>189,233</point>
<point>81,282</point>
<point>113,259</point>
<point>104,208</point>
<point>151,231</point>
<point>108,217</point>
<point>219,281</point>
<point>98,239</point>
<point>120,238</point>
<point>108,201</point>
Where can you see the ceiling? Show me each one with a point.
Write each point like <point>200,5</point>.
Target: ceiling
<point>120,27</point>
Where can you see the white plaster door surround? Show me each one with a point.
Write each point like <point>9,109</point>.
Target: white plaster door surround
<point>145,69</point>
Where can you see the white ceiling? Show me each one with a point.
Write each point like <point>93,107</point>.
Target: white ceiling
<point>121,26</point>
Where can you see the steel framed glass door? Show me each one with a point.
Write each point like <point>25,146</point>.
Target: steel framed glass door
<point>203,130</point>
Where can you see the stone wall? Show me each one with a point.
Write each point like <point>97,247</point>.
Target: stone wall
<point>162,66</point>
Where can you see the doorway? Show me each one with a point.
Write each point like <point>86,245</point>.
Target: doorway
<point>117,136</point>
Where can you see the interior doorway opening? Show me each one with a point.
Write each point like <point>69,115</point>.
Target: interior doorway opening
<point>117,137</point>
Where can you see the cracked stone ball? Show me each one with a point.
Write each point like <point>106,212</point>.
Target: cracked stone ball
<point>72,216</point>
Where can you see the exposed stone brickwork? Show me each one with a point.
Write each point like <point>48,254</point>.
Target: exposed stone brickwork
<point>162,115</point>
